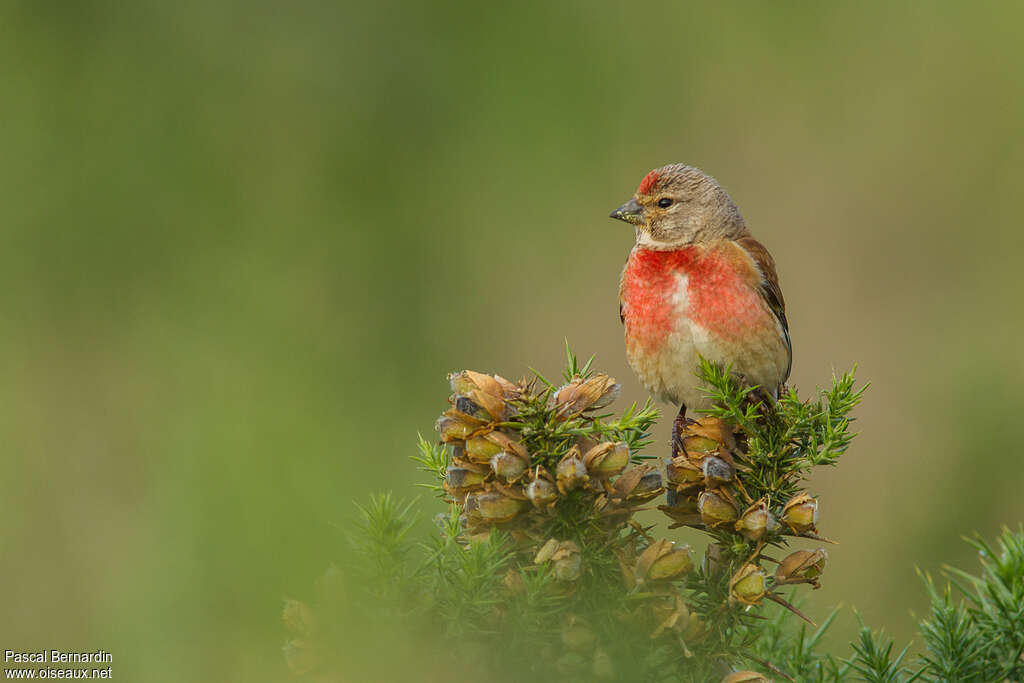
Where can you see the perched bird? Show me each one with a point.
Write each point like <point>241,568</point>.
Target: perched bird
<point>698,284</point>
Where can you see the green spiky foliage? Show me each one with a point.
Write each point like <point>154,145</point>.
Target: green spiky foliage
<point>536,567</point>
<point>981,636</point>
<point>784,439</point>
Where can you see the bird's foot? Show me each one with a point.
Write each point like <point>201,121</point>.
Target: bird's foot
<point>677,431</point>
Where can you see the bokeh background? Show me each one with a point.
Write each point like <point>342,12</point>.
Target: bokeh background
<point>242,243</point>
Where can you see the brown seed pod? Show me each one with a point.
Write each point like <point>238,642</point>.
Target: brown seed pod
<point>757,521</point>
<point>579,395</point>
<point>802,566</point>
<point>564,556</point>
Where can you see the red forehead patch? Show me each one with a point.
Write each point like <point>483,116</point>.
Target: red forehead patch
<point>648,182</point>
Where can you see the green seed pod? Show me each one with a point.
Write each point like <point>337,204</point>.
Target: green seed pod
<point>509,466</point>
<point>801,514</point>
<point>606,459</point>
<point>747,585</point>
<point>541,491</point>
<point>699,445</point>
<point>482,448</point>
<point>717,507</point>
<point>683,473</point>
<point>662,560</point>
<point>707,435</point>
<point>453,428</point>
<point>495,508</point>
<point>464,478</point>
<point>571,473</point>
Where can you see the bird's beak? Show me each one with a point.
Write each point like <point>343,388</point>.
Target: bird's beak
<point>631,212</point>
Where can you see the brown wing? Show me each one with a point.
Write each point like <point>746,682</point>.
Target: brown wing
<point>769,288</point>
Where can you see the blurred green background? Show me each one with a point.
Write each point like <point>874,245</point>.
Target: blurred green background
<point>242,244</point>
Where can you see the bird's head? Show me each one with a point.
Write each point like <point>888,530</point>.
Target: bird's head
<point>676,205</point>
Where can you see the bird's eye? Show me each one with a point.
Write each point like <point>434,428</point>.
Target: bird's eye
<point>665,202</point>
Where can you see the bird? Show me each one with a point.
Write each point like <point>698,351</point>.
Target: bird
<point>697,284</point>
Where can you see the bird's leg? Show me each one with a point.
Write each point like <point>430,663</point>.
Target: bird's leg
<point>677,428</point>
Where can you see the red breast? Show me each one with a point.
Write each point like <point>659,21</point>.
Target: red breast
<point>715,295</point>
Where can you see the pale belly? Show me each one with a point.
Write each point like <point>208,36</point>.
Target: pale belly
<point>670,371</point>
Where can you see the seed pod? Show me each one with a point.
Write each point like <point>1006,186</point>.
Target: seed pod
<point>567,563</point>
<point>461,383</point>
<point>802,566</point>
<point>464,404</point>
<point>571,473</point>
<point>463,477</point>
<point>638,483</point>
<point>681,509</point>
<point>541,491</point>
<point>662,560</point>
<point>676,616</point>
<point>650,486</point>
<point>565,558</point>
<point>509,466</point>
<point>757,521</point>
<point>494,507</point>
<point>717,472</point>
<point>485,392</point>
<point>454,427</point>
<point>714,430</point>
<point>745,677</point>
<point>675,499</point>
<point>747,585</point>
<point>683,473</point>
<point>699,446</point>
<point>717,507</point>
<point>482,448</point>
<point>801,514</point>
<point>298,618</point>
<point>580,394</point>
<point>606,459</point>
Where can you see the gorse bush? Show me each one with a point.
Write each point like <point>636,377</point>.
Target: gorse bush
<point>539,568</point>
